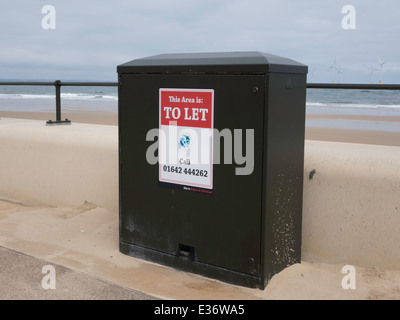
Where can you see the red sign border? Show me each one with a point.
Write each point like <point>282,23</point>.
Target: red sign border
<point>211,186</point>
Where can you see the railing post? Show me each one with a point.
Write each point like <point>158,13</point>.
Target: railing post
<point>57,85</point>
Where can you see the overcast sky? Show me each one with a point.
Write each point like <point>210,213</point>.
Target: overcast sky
<point>92,37</point>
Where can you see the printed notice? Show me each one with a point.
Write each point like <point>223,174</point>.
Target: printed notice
<point>186,138</point>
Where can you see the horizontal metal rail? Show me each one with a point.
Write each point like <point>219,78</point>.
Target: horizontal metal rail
<point>115,84</point>
<point>356,86</point>
<point>22,83</point>
<point>58,84</point>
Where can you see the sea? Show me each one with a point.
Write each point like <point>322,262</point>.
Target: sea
<point>337,102</point>
<point>42,98</point>
<point>384,105</point>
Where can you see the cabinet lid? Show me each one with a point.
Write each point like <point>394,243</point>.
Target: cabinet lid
<point>246,62</point>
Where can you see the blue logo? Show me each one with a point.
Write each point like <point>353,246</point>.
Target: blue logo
<point>184,141</point>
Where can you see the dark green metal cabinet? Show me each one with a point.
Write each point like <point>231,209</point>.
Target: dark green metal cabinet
<point>249,228</point>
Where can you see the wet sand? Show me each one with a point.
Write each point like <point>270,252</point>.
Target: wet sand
<point>312,133</point>
<point>94,117</point>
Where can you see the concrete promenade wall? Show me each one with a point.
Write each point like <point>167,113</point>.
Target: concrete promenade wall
<point>61,165</point>
<point>351,210</point>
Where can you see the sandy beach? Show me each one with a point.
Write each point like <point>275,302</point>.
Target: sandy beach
<point>93,117</point>
<point>388,138</point>
<point>312,133</point>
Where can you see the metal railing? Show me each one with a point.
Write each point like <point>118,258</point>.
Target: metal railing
<point>58,84</point>
<point>353,86</point>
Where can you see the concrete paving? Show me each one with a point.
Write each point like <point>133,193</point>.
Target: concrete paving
<point>82,245</point>
<point>23,277</point>
<point>85,241</point>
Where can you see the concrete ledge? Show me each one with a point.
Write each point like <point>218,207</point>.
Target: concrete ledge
<point>351,210</point>
<point>59,165</point>
<point>351,203</point>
